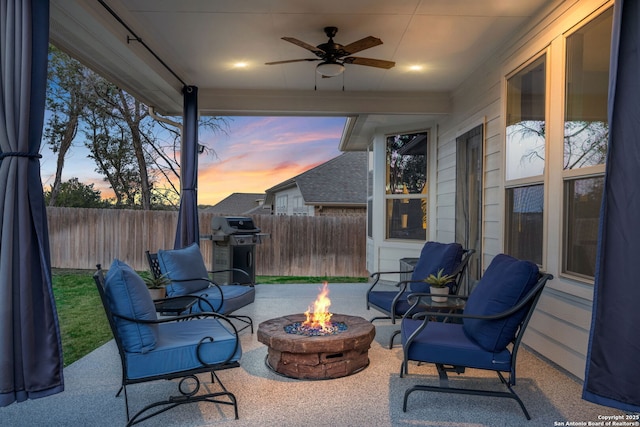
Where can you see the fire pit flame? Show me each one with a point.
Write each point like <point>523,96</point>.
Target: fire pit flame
<point>318,321</point>
<point>320,318</point>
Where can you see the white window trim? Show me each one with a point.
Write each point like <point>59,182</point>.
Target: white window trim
<point>533,180</point>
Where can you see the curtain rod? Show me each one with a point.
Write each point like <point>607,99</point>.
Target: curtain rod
<point>139,40</point>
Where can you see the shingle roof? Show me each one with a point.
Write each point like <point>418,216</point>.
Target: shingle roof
<point>341,180</point>
<point>238,204</point>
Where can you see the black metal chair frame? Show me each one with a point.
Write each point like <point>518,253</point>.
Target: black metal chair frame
<point>189,383</point>
<point>530,299</point>
<point>203,303</point>
<point>458,274</point>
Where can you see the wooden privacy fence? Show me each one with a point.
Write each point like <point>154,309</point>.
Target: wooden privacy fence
<point>297,246</point>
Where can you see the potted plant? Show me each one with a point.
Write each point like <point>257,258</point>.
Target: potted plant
<point>156,285</point>
<point>438,284</point>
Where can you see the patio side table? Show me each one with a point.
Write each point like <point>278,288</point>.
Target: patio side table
<point>450,306</point>
<point>175,305</point>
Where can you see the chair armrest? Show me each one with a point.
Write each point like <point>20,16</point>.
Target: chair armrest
<point>174,298</point>
<point>236,270</point>
<point>377,275</point>
<point>202,300</point>
<point>175,318</point>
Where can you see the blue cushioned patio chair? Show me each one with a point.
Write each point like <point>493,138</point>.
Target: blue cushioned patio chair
<point>186,270</point>
<point>450,257</point>
<point>165,349</point>
<point>493,321</point>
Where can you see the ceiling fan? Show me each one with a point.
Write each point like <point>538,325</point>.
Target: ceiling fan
<point>334,55</point>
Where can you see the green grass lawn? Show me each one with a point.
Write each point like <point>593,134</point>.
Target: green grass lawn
<point>83,324</point>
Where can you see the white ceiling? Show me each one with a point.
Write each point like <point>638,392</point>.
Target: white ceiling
<point>201,40</point>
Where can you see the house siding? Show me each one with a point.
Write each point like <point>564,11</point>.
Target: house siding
<point>340,211</point>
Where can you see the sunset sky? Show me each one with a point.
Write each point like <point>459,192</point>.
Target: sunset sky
<point>255,154</point>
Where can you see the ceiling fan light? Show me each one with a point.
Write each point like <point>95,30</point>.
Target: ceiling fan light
<point>330,69</point>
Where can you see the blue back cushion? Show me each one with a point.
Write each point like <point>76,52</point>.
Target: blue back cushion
<point>128,296</point>
<point>183,264</point>
<point>433,257</point>
<point>506,281</point>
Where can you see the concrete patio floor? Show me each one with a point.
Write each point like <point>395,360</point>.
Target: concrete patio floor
<point>372,397</point>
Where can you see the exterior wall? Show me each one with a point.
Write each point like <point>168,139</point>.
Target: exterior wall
<point>295,206</point>
<point>339,211</point>
<point>559,329</point>
<point>295,203</point>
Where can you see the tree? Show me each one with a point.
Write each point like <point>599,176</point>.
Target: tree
<point>128,116</point>
<point>166,168</point>
<point>113,156</point>
<point>74,194</point>
<point>137,155</point>
<point>66,101</point>
<point>585,142</point>
<point>407,165</point>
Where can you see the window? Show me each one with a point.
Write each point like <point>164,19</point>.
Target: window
<point>298,206</point>
<point>525,206</point>
<point>525,161</point>
<point>281,205</point>
<point>583,197</point>
<point>586,133</point>
<point>526,121</point>
<point>406,186</point>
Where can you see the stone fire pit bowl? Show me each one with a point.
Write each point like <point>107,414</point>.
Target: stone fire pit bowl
<point>317,357</point>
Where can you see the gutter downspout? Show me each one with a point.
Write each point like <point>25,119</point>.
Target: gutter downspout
<point>152,113</point>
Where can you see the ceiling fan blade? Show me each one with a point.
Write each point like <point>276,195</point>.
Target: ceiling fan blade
<point>361,44</point>
<point>369,62</point>
<point>304,45</point>
<point>291,60</point>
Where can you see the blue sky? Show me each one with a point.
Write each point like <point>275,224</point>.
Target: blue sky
<point>253,155</point>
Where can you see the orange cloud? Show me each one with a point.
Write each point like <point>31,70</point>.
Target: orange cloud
<point>215,184</point>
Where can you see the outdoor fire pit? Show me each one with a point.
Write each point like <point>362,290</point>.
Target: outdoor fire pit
<point>304,348</point>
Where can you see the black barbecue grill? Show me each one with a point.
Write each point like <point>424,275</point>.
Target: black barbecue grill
<point>234,245</point>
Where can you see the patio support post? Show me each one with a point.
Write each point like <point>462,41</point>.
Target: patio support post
<point>188,229</point>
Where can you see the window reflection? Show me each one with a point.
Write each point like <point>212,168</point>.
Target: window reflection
<point>583,198</point>
<point>586,130</point>
<point>406,186</point>
<point>525,209</point>
<point>526,122</point>
<point>406,163</point>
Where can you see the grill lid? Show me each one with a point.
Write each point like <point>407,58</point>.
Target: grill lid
<point>233,225</point>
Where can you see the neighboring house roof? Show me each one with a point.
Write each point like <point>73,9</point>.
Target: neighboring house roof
<point>339,181</point>
<point>238,204</point>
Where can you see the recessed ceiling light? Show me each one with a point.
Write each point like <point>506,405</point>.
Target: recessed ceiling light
<point>415,68</point>
<point>240,65</point>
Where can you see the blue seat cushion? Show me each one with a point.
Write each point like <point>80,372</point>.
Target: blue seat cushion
<point>384,299</point>
<point>184,264</point>
<point>505,282</point>
<point>128,296</point>
<point>433,257</point>
<point>176,348</point>
<point>235,297</point>
<point>447,343</point>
